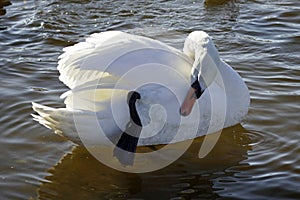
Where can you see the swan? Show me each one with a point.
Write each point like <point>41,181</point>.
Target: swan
<point>116,78</point>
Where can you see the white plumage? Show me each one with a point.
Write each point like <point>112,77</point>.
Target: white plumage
<point>101,71</point>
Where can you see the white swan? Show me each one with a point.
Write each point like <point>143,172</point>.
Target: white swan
<point>102,70</point>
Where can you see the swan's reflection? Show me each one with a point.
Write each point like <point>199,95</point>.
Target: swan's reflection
<point>80,176</point>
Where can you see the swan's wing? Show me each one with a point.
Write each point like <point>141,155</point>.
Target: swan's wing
<point>112,54</point>
<point>86,61</point>
<point>116,62</point>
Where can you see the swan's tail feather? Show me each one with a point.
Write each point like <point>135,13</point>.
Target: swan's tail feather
<point>47,122</point>
<point>59,120</point>
<point>44,117</point>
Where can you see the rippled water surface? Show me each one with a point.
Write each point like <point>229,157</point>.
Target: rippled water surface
<point>259,159</point>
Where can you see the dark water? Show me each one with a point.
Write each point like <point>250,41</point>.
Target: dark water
<point>259,159</point>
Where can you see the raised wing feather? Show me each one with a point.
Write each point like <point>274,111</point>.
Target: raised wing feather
<point>113,54</point>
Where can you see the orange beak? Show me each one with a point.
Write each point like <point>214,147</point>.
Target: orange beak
<point>188,103</point>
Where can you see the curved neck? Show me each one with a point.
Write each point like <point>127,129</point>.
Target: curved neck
<point>134,116</point>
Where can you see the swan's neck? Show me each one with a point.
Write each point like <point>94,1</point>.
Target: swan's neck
<point>130,137</point>
<point>134,116</point>
<point>199,46</point>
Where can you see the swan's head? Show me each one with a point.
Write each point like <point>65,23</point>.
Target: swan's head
<point>199,47</point>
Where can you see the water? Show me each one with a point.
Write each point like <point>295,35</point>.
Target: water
<point>259,159</point>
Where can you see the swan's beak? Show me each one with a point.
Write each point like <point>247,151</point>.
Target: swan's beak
<point>188,103</point>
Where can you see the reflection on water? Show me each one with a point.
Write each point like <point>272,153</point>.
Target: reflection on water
<point>215,2</point>
<point>260,40</point>
<point>4,3</point>
<point>188,177</point>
